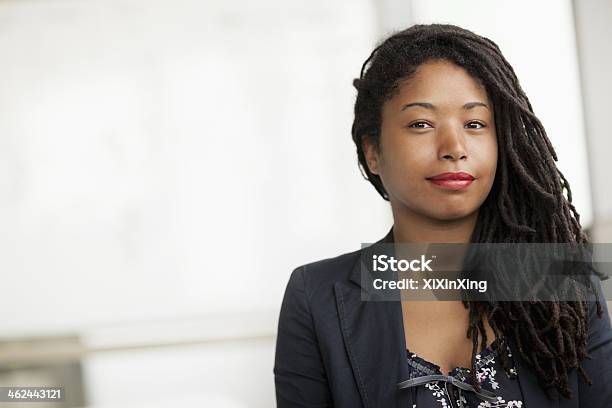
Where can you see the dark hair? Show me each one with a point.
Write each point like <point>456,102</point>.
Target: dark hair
<point>526,203</point>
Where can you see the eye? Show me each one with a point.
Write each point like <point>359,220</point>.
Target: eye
<point>475,125</point>
<point>419,125</point>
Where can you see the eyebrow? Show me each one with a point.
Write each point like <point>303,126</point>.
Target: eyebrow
<point>428,105</point>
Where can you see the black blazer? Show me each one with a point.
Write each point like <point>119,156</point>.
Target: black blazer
<point>333,350</point>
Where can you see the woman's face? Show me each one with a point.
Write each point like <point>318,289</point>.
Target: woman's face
<point>438,147</point>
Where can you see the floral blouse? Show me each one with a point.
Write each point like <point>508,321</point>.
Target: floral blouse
<point>503,390</point>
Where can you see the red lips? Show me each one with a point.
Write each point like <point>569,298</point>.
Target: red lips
<point>452,180</point>
<point>460,175</point>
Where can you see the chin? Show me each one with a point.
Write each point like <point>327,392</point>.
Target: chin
<point>452,214</point>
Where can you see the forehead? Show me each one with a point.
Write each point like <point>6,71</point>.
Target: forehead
<point>442,83</point>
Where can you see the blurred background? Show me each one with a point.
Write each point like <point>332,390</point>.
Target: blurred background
<point>164,166</point>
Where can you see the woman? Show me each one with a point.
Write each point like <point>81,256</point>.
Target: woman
<point>445,133</point>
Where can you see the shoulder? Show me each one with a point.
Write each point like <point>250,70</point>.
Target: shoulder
<point>325,272</point>
<point>310,291</point>
<point>600,330</point>
<point>598,365</point>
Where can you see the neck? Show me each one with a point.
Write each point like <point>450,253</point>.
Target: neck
<point>410,227</point>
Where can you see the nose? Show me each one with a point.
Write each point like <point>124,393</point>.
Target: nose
<point>452,144</point>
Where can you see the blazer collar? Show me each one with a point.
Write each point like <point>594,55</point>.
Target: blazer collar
<point>373,334</point>
<point>356,273</point>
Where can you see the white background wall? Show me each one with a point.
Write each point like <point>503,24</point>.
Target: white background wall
<point>166,163</point>
<point>594,30</point>
<point>165,167</point>
<point>163,161</point>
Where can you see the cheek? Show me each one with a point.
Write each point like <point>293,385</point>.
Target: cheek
<point>487,168</point>
<point>405,162</point>
<point>492,155</point>
<point>485,153</point>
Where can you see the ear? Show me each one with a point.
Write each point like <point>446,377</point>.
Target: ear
<point>370,151</point>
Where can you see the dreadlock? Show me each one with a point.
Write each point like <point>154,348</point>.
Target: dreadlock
<point>551,336</point>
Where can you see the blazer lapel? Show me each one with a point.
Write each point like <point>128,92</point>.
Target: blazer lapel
<point>374,339</point>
